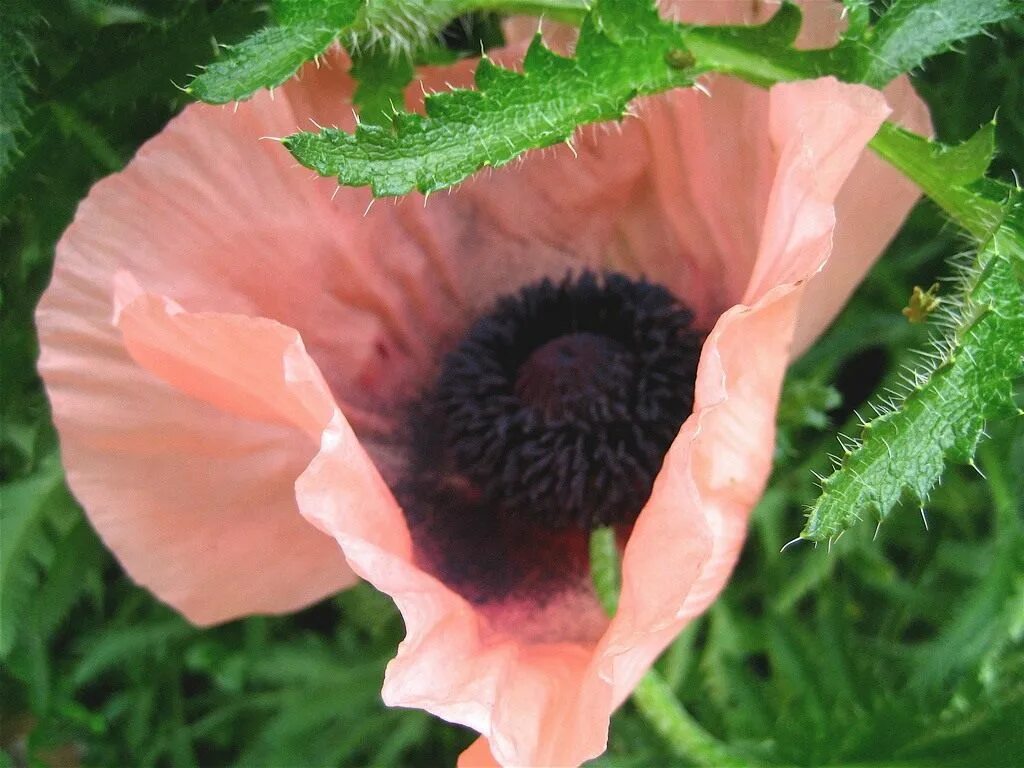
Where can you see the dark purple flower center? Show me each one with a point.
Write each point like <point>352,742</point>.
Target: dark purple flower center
<point>559,405</point>
<point>551,417</point>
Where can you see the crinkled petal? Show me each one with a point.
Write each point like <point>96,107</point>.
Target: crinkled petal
<point>182,436</point>
<point>193,489</point>
<point>870,209</point>
<point>722,457</point>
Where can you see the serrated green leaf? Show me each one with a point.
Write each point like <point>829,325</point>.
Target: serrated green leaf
<point>621,53</point>
<point>943,417</point>
<point>624,50</point>
<point>305,29</point>
<point>912,30</point>
<point>329,12</point>
<point>272,55</point>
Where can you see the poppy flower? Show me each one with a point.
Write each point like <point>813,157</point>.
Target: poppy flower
<point>234,350</point>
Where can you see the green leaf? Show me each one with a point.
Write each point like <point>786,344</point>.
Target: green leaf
<point>951,176</point>
<point>912,30</point>
<point>990,618</point>
<point>272,55</point>
<point>305,29</point>
<point>75,570</point>
<point>943,415</point>
<point>123,646</point>
<point>35,512</point>
<point>104,13</point>
<point>624,50</point>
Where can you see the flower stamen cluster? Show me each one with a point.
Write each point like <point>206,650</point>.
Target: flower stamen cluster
<point>559,406</point>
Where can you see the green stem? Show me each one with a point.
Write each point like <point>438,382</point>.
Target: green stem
<point>654,697</point>
<point>714,53</point>
<point>658,704</point>
<point>569,11</point>
<point>604,568</point>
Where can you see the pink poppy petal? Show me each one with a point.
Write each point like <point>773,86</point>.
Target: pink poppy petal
<point>712,478</point>
<point>822,19</point>
<point>452,662</point>
<point>196,503</point>
<point>477,755</point>
<point>722,457</point>
<point>677,195</point>
<point>253,367</point>
<point>796,238</point>
<point>217,219</point>
<point>870,209</point>
<point>575,208</point>
<point>712,171</point>
<point>726,446</point>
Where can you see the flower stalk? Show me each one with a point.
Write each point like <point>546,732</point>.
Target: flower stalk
<point>604,568</point>
<point>654,697</point>
<point>656,701</point>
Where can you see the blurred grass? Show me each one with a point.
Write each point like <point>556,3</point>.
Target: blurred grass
<point>898,651</point>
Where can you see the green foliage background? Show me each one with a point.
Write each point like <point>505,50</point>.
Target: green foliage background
<point>905,649</point>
